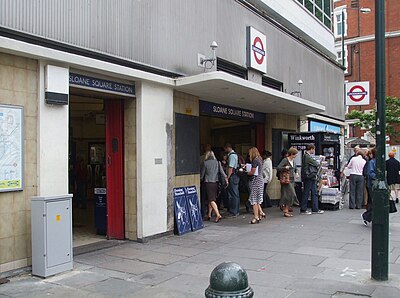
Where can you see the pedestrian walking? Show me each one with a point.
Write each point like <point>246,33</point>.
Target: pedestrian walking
<point>393,176</point>
<point>370,173</point>
<point>233,180</point>
<point>356,166</point>
<point>287,172</point>
<point>256,185</point>
<point>209,175</point>
<point>309,170</point>
<point>267,175</point>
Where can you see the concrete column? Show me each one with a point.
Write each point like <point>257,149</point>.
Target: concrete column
<point>53,122</point>
<point>154,114</point>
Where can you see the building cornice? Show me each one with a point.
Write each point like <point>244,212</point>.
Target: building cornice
<point>366,38</point>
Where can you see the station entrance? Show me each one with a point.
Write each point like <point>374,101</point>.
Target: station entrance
<point>243,129</point>
<point>96,165</point>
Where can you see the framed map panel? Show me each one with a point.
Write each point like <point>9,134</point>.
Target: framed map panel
<point>11,148</point>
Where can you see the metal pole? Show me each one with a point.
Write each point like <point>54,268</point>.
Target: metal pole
<point>343,37</point>
<point>380,195</point>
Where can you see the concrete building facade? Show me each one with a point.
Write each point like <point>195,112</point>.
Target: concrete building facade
<point>119,84</point>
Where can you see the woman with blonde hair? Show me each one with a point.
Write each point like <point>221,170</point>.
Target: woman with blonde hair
<point>209,175</point>
<point>256,184</point>
<point>287,172</point>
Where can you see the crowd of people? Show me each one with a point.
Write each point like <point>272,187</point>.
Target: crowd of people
<point>222,179</point>
<point>362,175</point>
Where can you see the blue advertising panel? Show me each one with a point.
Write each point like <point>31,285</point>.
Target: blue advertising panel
<point>315,126</point>
<point>194,208</point>
<point>228,112</point>
<point>181,212</point>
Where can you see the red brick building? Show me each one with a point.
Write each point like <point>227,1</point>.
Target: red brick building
<point>359,30</point>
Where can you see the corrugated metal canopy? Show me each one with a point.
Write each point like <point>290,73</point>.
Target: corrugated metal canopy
<point>223,88</point>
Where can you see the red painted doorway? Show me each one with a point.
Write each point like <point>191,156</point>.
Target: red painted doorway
<point>115,168</point>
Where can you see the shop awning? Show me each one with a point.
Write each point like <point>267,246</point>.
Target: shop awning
<point>223,88</point>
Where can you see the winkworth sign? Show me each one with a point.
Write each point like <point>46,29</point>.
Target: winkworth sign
<point>100,84</point>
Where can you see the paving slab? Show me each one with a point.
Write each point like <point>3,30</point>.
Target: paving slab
<point>340,263</point>
<point>179,250</point>
<point>129,266</point>
<point>318,251</point>
<point>294,258</point>
<point>268,292</point>
<point>114,287</point>
<point>154,277</point>
<point>193,285</point>
<point>95,258</point>
<point>386,292</point>
<point>77,279</point>
<point>330,287</point>
<point>181,267</point>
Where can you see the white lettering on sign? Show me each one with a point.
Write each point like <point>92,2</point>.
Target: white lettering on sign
<point>79,80</point>
<point>302,138</point>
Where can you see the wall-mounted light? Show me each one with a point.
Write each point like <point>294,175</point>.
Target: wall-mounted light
<point>208,63</point>
<point>299,82</point>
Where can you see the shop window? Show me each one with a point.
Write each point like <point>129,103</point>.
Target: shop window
<point>187,145</point>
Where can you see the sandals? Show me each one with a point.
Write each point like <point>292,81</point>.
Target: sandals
<point>218,218</point>
<point>254,221</point>
<point>263,215</point>
<point>287,214</point>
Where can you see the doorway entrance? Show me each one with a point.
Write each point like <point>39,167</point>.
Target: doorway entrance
<point>96,166</point>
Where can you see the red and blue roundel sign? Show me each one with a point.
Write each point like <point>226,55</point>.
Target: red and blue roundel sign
<point>257,54</point>
<point>357,93</point>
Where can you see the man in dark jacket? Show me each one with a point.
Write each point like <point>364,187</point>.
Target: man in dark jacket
<point>393,176</point>
<point>309,170</point>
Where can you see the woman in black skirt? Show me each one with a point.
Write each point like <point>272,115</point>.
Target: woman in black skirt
<point>209,174</point>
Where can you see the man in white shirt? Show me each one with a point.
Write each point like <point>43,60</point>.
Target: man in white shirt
<point>267,175</point>
<point>356,166</point>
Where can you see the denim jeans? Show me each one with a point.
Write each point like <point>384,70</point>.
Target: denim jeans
<point>233,194</point>
<point>309,185</point>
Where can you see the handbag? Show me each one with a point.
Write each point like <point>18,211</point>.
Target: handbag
<point>392,206</point>
<point>284,178</point>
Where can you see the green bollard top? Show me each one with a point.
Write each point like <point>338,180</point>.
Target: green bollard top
<point>228,277</point>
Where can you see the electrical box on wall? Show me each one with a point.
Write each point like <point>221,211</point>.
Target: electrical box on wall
<point>56,85</point>
<point>51,235</point>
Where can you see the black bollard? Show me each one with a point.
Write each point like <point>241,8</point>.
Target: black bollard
<point>228,279</point>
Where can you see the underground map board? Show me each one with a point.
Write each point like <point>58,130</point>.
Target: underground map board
<point>11,148</point>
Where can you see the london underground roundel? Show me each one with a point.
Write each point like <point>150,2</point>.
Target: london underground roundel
<point>256,50</point>
<point>357,93</point>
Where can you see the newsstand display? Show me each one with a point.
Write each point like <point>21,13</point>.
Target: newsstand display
<point>327,154</point>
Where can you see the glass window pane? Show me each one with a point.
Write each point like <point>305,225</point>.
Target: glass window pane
<point>327,7</point>
<point>318,14</point>
<point>318,3</point>
<point>327,22</point>
<point>301,1</point>
<point>309,5</point>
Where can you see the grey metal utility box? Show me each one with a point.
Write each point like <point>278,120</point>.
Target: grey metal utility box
<point>51,234</point>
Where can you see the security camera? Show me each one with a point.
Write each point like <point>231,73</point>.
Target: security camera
<point>214,45</point>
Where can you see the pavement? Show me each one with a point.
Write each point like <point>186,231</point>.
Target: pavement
<point>319,255</point>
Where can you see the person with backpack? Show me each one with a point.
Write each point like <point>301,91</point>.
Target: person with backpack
<point>233,180</point>
<point>309,170</point>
